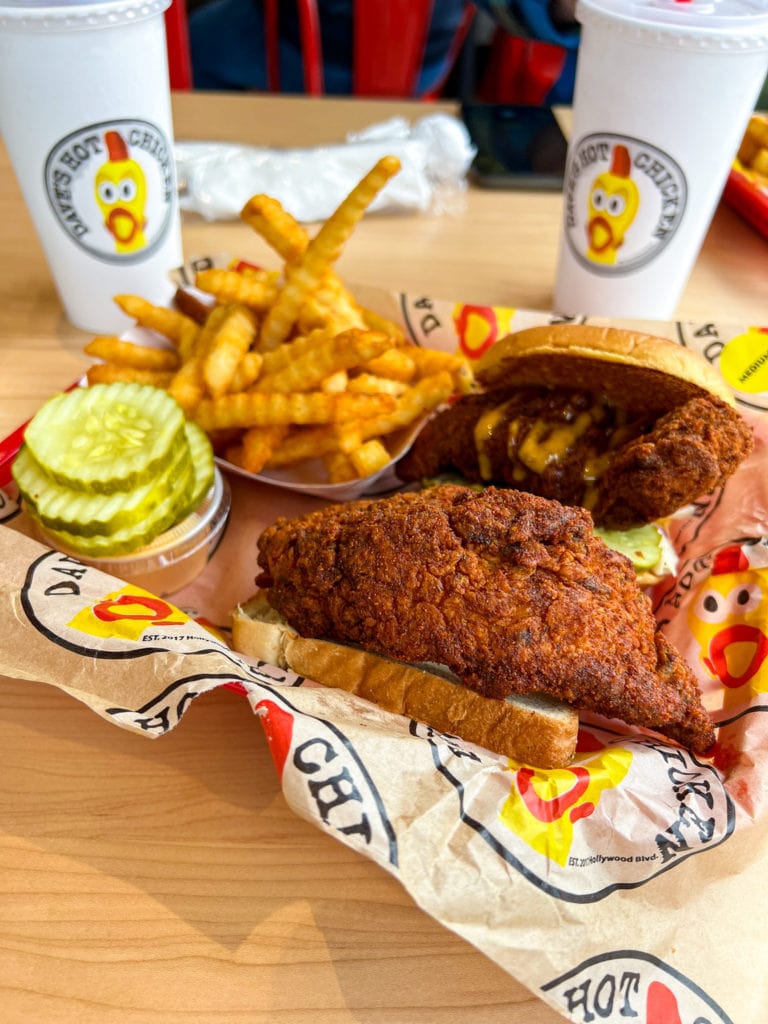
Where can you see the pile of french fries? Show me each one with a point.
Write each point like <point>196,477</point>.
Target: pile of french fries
<point>753,151</point>
<point>278,366</point>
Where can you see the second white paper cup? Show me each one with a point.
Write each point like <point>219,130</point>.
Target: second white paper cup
<point>85,115</point>
<point>663,94</point>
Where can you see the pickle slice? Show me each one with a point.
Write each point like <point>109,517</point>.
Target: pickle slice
<point>163,516</point>
<point>201,451</point>
<point>108,437</point>
<point>642,545</point>
<point>59,507</point>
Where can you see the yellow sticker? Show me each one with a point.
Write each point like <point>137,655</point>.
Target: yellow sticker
<point>744,361</point>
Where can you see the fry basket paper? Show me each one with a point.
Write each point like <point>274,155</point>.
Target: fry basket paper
<point>629,886</point>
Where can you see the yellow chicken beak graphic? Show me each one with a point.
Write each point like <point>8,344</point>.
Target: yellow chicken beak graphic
<point>121,192</point>
<point>613,203</point>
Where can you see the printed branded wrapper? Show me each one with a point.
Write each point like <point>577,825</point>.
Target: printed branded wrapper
<point>629,886</point>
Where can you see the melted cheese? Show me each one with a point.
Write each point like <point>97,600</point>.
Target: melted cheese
<point>544,444</point>
<point>485,427</point>
<point>547,443</point>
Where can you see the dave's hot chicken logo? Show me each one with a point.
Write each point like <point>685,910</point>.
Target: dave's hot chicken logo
<point>110,187</point>
<point>624,200</point>
<point>622,813</point>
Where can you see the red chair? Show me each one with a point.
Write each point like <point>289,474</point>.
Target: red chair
<point>311,45</point>
<point>520,70</point>
<point>393,69</point>
<point>389,41</point>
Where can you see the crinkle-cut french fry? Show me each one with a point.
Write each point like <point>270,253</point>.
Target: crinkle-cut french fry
<point>369,458</point>
<point>279,357</point>
<point>420,398</point>
<point>332,305</point>
<point>189,338</point>
<point>127,353</point>
<point>760,162</point>
<point>171,323</point>
<point>256,290</point>
<point>246,372</point>
<point>186,385</point>
<point>313,316</point>
<point>222,440</point>
<point>263,409</point>
<point>348,436</point>
<point>430,361</point>
<point>276,226</point>
<point>305,443</point>
<point>335,383</point>
<point>376,322</point>
<point>110,373</point>
<point>339,467</point>
<point>322,252</point>
<point>755,137</point>
<point>314,442</point>
<point>371,384</point>
<point>333,310</point>
<point>233,453</point>
<point>340,352</point>
<point>225,348</point>
<point>340,308</point>
<point>257,445</point>
<point>395,363</point>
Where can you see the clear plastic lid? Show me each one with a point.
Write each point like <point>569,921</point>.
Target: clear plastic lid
<point>724,24</point>
<point>43,15</point>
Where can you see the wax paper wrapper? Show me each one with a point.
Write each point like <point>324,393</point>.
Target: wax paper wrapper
<point>629,886</point>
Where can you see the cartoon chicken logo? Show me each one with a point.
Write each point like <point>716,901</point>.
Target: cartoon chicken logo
<point>727,619</point>
<point>121,193</point>
<point>613,203</point>
<point>544,806</point>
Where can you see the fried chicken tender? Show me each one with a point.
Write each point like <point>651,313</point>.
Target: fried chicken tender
<point>512,592</point>
<point>689,452</point>
<point>577,449</point>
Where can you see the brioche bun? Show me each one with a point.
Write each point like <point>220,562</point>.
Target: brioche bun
<point>639,372</point>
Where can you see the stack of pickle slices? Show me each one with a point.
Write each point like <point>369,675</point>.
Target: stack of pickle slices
<point>106,469</point>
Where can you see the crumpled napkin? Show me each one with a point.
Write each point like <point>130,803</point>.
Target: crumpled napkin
<point>216,179</point>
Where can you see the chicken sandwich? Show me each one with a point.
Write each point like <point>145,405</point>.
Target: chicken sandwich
<point>511,593</point>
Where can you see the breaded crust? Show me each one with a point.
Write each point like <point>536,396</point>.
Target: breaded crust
<point>643,373</point>
<point>512,593</point>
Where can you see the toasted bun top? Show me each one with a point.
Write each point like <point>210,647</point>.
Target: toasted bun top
<point>640,372</point>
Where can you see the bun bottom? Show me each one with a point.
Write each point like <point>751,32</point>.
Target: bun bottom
<point>535,730</point>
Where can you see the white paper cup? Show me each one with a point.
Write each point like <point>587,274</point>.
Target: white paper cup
<point>85,115</point>
<point>664,91</point>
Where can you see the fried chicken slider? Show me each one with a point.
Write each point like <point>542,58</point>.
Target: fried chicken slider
<point>528,615</point>
<point>630,426</point>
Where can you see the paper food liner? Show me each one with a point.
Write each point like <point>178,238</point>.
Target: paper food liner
<point>629,886</point>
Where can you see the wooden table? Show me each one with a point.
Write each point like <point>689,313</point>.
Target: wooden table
<point>154,882</point>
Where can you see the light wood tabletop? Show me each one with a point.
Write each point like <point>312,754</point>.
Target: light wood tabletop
<point>146,882</point>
